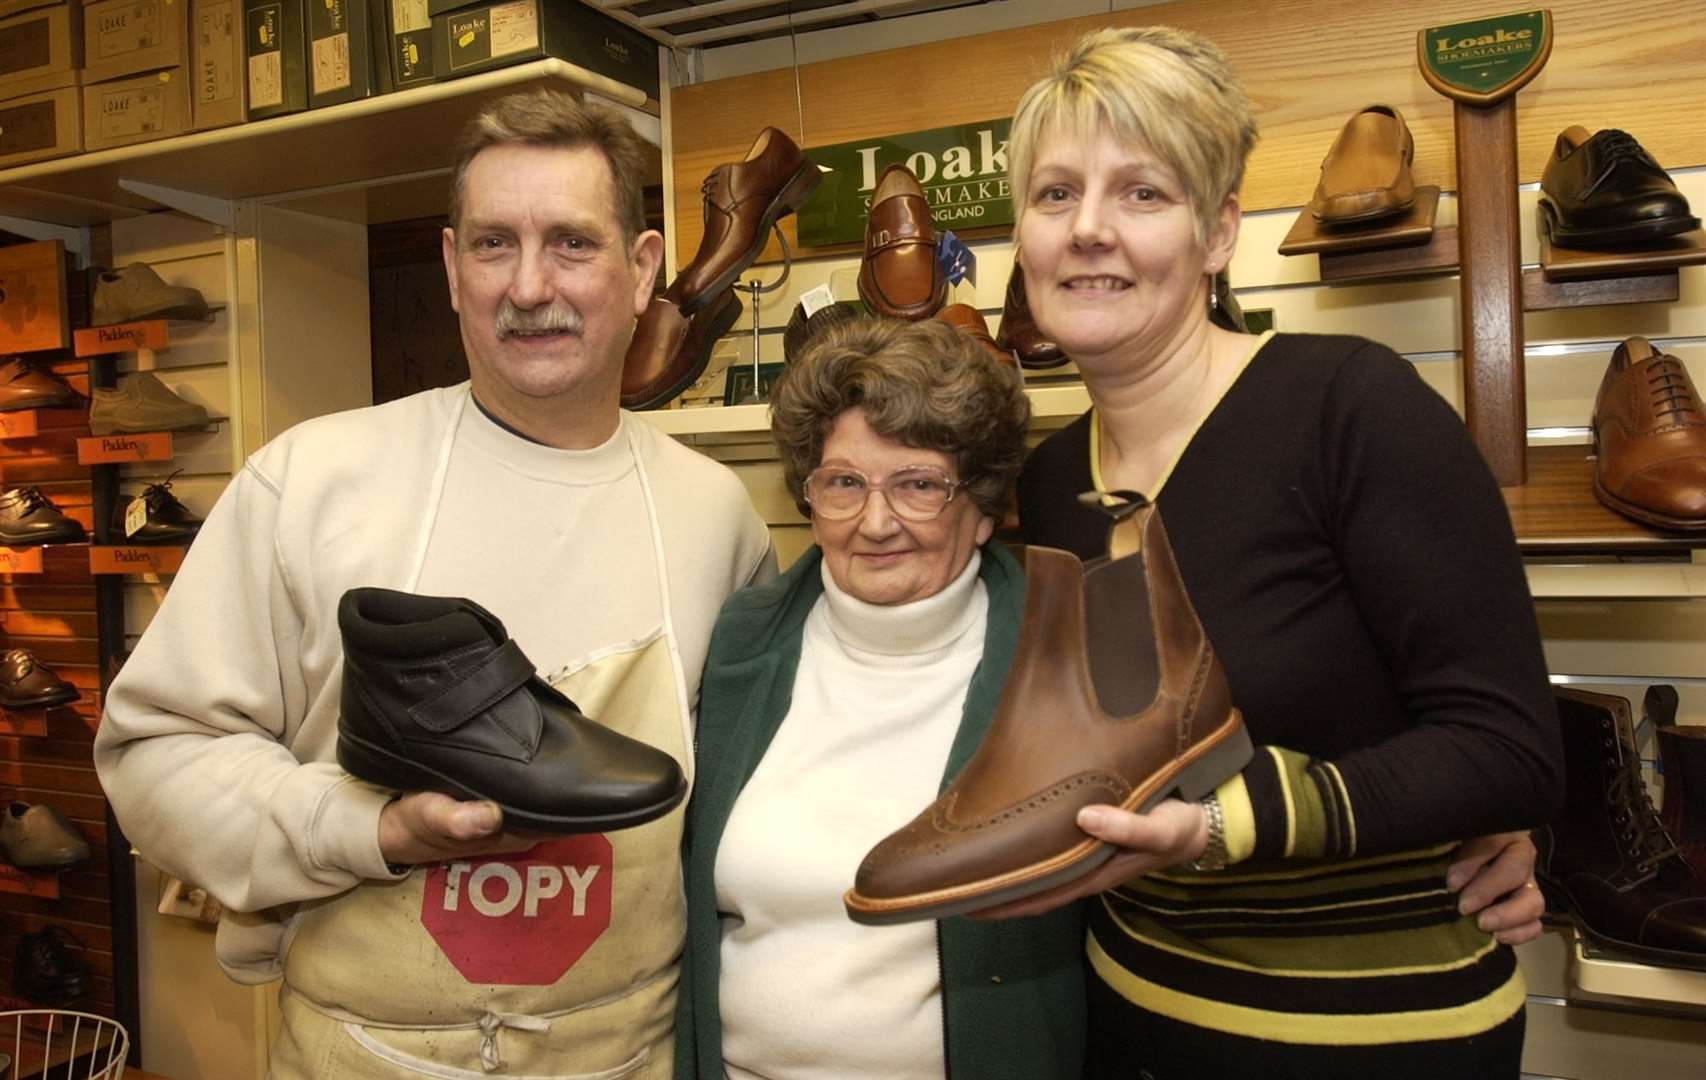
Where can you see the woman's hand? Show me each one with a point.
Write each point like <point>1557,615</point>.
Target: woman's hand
<point>1173,832</point>
<point>1494,876</point>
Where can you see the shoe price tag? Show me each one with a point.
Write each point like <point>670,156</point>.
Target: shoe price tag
<point>956,260</point>
<point>135,516</point>
<point>815,300</point>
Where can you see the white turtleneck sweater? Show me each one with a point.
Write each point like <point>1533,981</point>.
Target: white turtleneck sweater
<point>806,993</point>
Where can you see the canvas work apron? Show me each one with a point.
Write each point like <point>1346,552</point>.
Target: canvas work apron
<point>559,962</point>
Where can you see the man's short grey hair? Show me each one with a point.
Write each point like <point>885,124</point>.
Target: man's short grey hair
<point>556,121</point>
<point>922,384</point>
<point>1169,90</point>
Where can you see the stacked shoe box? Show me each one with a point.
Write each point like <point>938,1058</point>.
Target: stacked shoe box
<point>41,71</point>
<point>219,89</point>
<point>470,37</point>
<point>309,55</point>
<point>136,72</point>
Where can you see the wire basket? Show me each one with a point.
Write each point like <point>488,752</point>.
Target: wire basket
<point>59,1044</point>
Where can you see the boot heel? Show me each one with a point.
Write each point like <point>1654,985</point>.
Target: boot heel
<point>798,189</point>
<point>1199,779</point>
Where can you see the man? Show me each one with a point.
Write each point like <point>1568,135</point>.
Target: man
<point>413,934</point>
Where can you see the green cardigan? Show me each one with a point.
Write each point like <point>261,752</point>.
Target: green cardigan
<point>1013,990</point>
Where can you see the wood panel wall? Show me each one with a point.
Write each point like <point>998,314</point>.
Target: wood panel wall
<point>1308,64</point>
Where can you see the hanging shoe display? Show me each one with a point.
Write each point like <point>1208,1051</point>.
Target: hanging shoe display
<point>136,292</point>
<point>141,402</point>
<point>25,683</point>
<point>39,838</point>
<point>669,351</point>
<point>742,201</point>
<point>24,386</point>
<point>1366,174</point>
<point>1019,333</point>
<point>437,697</point>
<point>1114,696</point>
<point>1605,858</point>
<point>899,276</point>
<point>1649,430</point>
<point>154,517</point>
<point>29,517</point>
<point>1604,191</point>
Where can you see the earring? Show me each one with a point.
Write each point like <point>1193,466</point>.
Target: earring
<point>1213,295</point>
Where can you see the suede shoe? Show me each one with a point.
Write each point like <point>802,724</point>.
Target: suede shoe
<point>162,519</point>
<point>1650,434</point>
<point>45,972</point>
<point>136,292</point>
<point>1605,191</point>
<point>22,386</point>
<point>742,201</point>
<point>28,517</point>
<point>899,276</point>
<point>39,838</point>
<point>669,351</point>
<point>1366,175</point>
<point>25,683</point>
<point>1114,696</point>
<point>141,402</point>
<point>436,697</point>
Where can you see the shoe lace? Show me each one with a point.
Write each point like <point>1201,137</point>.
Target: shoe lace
<point>160,494</point>
<point>1616,147</point>
<point>1672,389</point>
<point>30,499</point>
<point>1645,840</point>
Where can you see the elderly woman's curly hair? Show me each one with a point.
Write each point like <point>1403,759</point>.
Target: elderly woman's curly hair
<point>923,384</point>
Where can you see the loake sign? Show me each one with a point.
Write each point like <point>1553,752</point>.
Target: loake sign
<point>1484,61</point>
<point>963,170</point>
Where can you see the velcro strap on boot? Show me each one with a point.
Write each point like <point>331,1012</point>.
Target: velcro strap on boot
<point>499,675</point>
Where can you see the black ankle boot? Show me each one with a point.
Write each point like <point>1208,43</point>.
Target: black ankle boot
<point>1682,759</point>
<point>1605,858</point>
<point>436,697</point>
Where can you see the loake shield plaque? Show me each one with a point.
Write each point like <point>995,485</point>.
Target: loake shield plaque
<point>1484,61</point>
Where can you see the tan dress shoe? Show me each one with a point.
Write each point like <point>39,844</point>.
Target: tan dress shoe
<point>669,351</point>
<point>1651,437</point>
<point>22,386</point>
<point>899,276</point>
<point>1114,696</point>
<point>1366,175</point>
<point>967,320</point>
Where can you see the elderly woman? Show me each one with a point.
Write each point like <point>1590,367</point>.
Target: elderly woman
<point>1350,557</point>
<point>839,699</point>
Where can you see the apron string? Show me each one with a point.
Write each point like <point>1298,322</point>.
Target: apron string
<point>493,1022</point>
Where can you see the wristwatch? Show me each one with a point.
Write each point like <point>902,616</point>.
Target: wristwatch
<point>1214,855</point>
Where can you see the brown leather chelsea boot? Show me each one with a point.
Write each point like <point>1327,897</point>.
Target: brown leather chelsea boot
<point>1114,697</point>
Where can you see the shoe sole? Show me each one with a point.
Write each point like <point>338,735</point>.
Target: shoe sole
<point>44,403</point>
<point>1558,898</point>
<point>1218,758</point>
<point>43,701</point>
<point>379,766</point>
<point>1640,513</point>
<point>40,539</point>
<point>793,195</point>
<point>725,319</point>
<point>1366,216</point>
<point>1613,236</point>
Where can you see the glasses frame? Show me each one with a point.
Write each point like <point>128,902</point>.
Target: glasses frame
<point>872,486</point>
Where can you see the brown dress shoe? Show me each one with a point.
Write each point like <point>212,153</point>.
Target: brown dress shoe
<point>965,319</point>
<point>1651,436</point>
<point>1366,175</point>
<point>23,387</point>
<point>25,683</point>
<point>669,352</point>
<point>899,275</point>
<point>1020,333</point>
<point>742,200</point>
<point>1114,696</point>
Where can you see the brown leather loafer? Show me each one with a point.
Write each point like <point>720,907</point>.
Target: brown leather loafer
<point>967,320</point>
<point>22,386</point>
<point>1651,438</point>
<point>742,200</point>
<point>899,276</point>
<point>1019,332</point>
<point>1114,696</point>
<point>1366,175</point>
<point>669,352</point>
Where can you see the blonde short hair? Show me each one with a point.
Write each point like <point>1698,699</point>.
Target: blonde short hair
<point>923,384</point>
<point>1170,90</point>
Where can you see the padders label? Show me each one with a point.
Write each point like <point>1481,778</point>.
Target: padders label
<point>521,920</point>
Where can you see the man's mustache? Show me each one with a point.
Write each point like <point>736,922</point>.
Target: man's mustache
<point>547,318</point>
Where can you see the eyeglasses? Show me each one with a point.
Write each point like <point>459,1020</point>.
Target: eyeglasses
<point>914,492</point>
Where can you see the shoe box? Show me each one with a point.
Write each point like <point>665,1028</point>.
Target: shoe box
<point>467,38</point>
<point>219,93</point>
<point>41,69</point>
<point>275,44</point>
<point>137,76</point>
<point>408,37</point>
<point>346,51</point>
<point>137,109</point>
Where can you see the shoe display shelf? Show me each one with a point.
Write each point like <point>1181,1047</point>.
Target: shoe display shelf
<point>753,421</point>
<point>1600,971</point>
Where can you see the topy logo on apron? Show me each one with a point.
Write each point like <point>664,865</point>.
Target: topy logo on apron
<point>521,920</point>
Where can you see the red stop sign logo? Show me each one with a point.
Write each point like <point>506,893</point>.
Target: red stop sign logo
<point>521,920</point>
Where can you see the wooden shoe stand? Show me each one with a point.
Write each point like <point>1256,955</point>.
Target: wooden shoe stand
<point>51,604</point>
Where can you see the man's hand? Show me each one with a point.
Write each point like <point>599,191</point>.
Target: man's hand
<point>1494,876</point>
<point>427,827</point>
<point>1173,832</point>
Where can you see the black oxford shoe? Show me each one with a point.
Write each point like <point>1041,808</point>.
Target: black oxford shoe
<point>1605,191</point>
<point>436,697</point>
